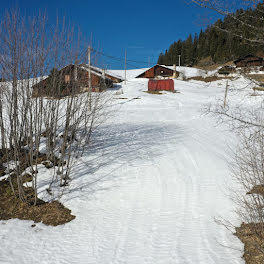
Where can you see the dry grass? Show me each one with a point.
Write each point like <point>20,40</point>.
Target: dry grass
<point>255,95</point>
<point>257,77</point>
<point>253,238</point>
<point>11,206</point>
<point>153,92</point>
<point>258,88</point>
<point>213,66</point>
<point>209,78</point>
<point>252,235</point>
<point>258,189</point>
<point>159,92</point>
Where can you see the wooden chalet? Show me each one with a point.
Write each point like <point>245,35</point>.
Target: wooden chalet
<point>158,72</point>
<point>249,61</point>
<point>226,70</point>
<point>71,79</point>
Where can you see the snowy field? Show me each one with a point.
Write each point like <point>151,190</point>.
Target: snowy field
<point>147,191</point>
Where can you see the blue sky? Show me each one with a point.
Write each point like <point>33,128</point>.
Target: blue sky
<point>144,28</point>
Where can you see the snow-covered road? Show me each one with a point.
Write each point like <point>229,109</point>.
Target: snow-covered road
<point>147,192</point>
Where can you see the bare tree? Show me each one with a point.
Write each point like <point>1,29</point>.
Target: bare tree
<point>248,24</point>
<point>35,130</point>
<point>248,124</point>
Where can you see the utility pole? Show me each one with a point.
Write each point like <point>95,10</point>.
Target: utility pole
<point>90,82</point>
<point>179,60</point>
<point>125,64</point>
<point>174,71</point>
<point>148,61</point>
<point>226,93</point>
<point>103,75</point>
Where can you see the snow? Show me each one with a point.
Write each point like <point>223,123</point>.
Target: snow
<point>188,72</point>
<point>130,74</point>
<point>97,71</point>
<point>147,190</point>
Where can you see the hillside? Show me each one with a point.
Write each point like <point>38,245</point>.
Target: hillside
<point>148,187</point>
<point>219,42</point>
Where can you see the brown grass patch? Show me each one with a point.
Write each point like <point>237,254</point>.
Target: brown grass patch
<point>256,95</point>
<point>257,77</point>
<point>11,206</point>
<point>159,92</point>
<point>212,67</point>
<point>258,189</point>
<point>153,92</point>
<point>258,88</point>
<point>209,78</point>
<point>252,235</point>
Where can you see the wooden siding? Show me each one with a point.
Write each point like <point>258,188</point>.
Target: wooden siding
<point>161,71</point>
<point>156,71</point>
<point>161,85</point>
<point>68,83</point>
<point>150,73</point>
<point>249,61</point>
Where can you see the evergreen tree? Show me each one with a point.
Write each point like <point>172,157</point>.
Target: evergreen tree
<point>216,42</point>
<point>189,48</point>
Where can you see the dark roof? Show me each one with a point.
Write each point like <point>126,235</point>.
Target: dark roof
<point>247,58</point>
<point>100,71</point>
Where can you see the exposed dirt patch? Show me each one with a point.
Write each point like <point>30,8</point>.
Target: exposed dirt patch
<point>208,66</point>
<point>153,92</point>
<point>158,92</point>
<point>258,88</point>
<point>11,206</point>
<point>257,189</point>
<point>209,78</point>
<point>257,77</point>
<point>24,158</point>
<point>256,95</point>
<point>252,235</point>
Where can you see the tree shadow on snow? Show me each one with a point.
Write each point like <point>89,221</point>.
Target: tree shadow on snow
<point>117,149</point>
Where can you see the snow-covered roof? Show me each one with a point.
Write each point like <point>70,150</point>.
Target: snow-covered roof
<point>99,70</point>
<point>190,72</point>
<point>130,74</point>
<point>92,71</point>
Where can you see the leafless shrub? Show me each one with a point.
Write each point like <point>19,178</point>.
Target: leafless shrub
<point>36,129</point>
<point>248,158</point>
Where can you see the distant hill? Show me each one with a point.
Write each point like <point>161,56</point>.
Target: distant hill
<point>215,44</point>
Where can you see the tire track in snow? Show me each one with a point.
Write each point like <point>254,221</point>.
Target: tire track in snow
<point>158,206</point>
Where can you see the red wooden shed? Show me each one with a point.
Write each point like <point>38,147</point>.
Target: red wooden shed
<point>161,85</point>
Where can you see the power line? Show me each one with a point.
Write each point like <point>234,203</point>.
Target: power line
<point>121,59</point>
